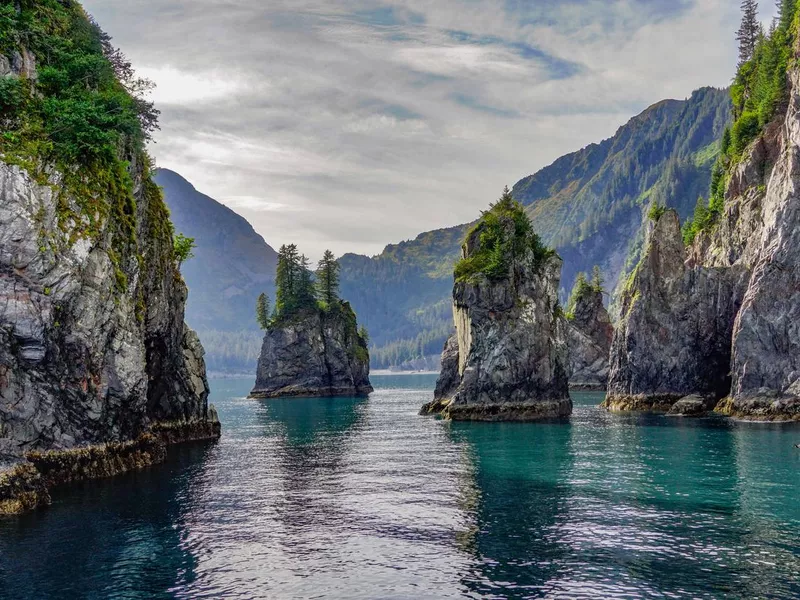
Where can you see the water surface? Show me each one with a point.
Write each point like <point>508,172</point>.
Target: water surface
<point>362,498</point>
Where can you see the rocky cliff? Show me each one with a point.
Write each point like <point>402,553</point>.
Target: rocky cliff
<point>508,358</point>
<point>674,337</point>
<point>93,345</point>
<point>314,353</point>
<point>589,335</point>
<point>719,318</point>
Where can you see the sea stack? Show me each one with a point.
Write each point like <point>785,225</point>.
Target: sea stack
<point>507,360</point>
<point>718,318</point>
<point>589,336</point>
<point>312,344</point>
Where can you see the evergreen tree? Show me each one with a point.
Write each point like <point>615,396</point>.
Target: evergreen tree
<point>786,9</point>
<point>262,311</point>
<point>294,285</point>
<point>306,296</point>
<point>328,278</point>
<point>597,279</point>
<point>283,277</point>
<point>748,32</point>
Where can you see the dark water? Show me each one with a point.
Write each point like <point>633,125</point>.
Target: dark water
<point>356,498</point>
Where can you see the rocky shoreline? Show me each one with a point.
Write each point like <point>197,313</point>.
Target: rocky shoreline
<point>27,485</point>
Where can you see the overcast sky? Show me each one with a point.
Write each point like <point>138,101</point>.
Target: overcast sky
<point>350,124</point>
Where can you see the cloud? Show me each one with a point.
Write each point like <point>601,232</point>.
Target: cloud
<point>351,124</point>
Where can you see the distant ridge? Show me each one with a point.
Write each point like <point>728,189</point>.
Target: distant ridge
<point>232,265</point>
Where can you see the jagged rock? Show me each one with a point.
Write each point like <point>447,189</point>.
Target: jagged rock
<point>725,323</point>
<point>766,336</point>
<point>692,406</point>
<point>674,338</point>
<point>84,360</point>
<point>449,379</point>
<point>315,353</point>
<point>508,358</point>
<point>589,336</point>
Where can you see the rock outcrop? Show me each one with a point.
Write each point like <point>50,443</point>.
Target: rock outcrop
<point>674,337</point>
<point>314,353</point>
<point>589,336</point>
<point>85,359</point>
<point>508,358</point>
<point>94,351</point>
<point>721,318</point>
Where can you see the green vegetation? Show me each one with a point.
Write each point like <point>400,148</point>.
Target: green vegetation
<point>656,212</point>
<point>505,233</point>
<point>297,293</point>
<point>183,247</point>
<point>84,113</point>
<point>293,284</point>
<point>328,279</point>
<point>759,93</point>
<point>262,311</point>
<point>583,289</point>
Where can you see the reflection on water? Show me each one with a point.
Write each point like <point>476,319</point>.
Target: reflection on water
<point>362,498</point>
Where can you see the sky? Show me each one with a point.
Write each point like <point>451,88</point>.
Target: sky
<point>351,124</point>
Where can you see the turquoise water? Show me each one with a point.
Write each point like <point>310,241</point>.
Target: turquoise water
<point>352,498</point>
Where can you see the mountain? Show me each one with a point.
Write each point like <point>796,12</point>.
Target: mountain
<point>232,265</point>
<point>590,205</point>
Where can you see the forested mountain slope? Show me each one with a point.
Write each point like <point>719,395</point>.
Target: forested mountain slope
<point>231,267</point>
<point>589,204</point>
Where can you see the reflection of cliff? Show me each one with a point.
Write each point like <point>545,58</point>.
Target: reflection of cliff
<point>314,436</point>
<point>125,534</point>
<point>517,495</point>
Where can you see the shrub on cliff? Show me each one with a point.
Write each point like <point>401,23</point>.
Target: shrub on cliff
<point>505,233</point>
<point>77,105</point>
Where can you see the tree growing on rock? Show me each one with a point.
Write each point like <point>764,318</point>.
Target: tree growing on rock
<point>749,30</point>
<point>184,248</point>
<point>262,311</point>
<point>328,279</point>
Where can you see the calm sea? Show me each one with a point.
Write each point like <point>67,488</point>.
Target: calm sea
<point>362,498</point>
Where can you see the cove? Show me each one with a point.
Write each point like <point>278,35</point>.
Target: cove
<point>363,498</point>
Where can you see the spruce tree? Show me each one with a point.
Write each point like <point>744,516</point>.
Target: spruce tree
<point>306,297</point>
<point>328,278</point>
<point>748,32</point>
<point>597,279</point>
<point>262,311</point>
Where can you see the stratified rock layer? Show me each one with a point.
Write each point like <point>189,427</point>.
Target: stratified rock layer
<point>589,336</point>
<point>315,353</point>
<point>508,358</point>
<point>724,322</point>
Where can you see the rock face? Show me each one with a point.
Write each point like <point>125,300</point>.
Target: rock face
<point>674,338</point>
<point>508,358</point>
<point>85,359</point>
<point>315,353</point>
<point>589,336</point>
<point>721,318</point>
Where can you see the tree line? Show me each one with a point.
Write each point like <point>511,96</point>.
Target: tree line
<point>759,92</point>
<point>298,289</point>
